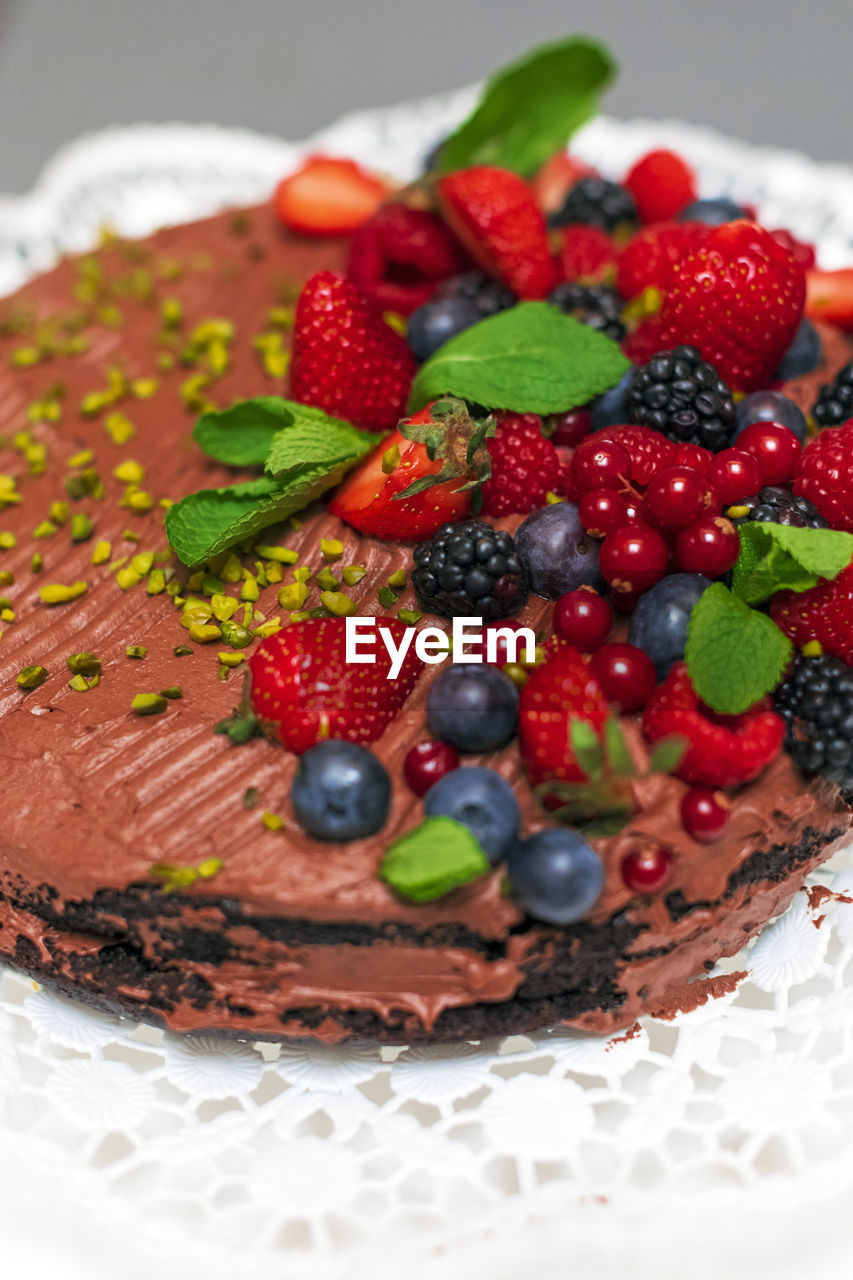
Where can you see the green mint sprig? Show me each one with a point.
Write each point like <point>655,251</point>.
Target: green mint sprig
<point>531,359</point>
<point>304,451</point>
<point>529,110</point>
<point>433,858</point>
<point>734,654</point>
<point>777,557</point>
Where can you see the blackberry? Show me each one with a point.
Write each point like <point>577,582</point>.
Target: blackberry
<point>816,703</point>
<point>834,403</point>
<point>773,505</point>
<point>681,395</point>
<point>598,203</point>
<point>599,306</point>
<point>470,570</point>
<point>487,294</point>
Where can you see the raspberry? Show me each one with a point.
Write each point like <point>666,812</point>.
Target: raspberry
<point>824,475</point>
<point>525,466</point>
<point>719,754</point>
<point>824,613</point>
<point>662,184</point>
<point>648,450</point>
<point>562,689</point>
<point>647,260</point>
<point>397,256</point>
<point>586,253</point>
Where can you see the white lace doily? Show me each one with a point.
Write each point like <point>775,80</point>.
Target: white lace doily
<point>724,1139</point>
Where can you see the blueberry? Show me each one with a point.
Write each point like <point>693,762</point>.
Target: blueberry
<point>474,708</point>
<point>659,622</point>
<point>712,212</point>
<point>431,325</point>
<point>559,554</point>
<point>770,406</point>
<point>610,408</point>
<point>555,875</point>
<point>340,791</point>
<point>482,801</point>
<point>804,354</point>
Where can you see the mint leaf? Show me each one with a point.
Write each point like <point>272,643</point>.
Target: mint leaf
<point>241,436</point>
<point>530,109</point>
<point>531,358</point>
<point>315,439</point>
<point>434,858</point>
<point>777,557</point>
<point>734,654</point>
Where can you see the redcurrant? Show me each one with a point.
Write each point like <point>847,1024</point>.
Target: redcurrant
<point>428,761</point>
<point>633,558</point>
<point>626,675</point>
<point>583,619</point>
<point>708,545</point>
<point>734,474</point>
<point>569,428</point>
<point>694,456</point>
<point>775,449</point>
<point>600,466</point>
<point>677,495</point>
<point>602,510</point>
<point>646,870</point>
<point>704,813</point>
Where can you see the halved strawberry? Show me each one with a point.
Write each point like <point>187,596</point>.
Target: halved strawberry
<point>829,297</point>
<point>420,477</point>
<point>303,686</point>
<point>328,196</point>
<point>494,214</point>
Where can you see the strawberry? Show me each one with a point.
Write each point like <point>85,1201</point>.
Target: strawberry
<point>648,450</point>
<point>346,360</point>
<point>824,613</point>
<point>649,256</point>
<point>525,466</point>
<point>558,691</point>
<point>801,249</point>
<point>662,184</point>
<point>586,253</point>
<point>556,178</point>
<point>427,457</point>
<point>328,196</point>
<point>824,475</point>
<point>399,254</point>
<point>495,216</point>
<point>722,751</point>
<point>739,298</point>
<point>829,297</point>
<point>644,341</point>
<point>302,685</point>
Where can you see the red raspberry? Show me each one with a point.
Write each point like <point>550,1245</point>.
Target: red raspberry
<point>398,256</point>
<point>824,613</point>
<point>648,450</point>
<point>824,475</point>
<point>648,259</point>
<point>662,184</point>
<point>586,253</point>
<point>801,249</point>
<point>525,466</point>
<point>720,753</point>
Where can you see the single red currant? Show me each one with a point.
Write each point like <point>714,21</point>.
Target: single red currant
<point>602,510</point>
<point>775,449</point>
<point>677,495</point>
<point>428,761</point>
<point>633,558</point>
<point>693,456</point>
<point>626,675</point>
<point>583,619</point>
<point>708,545</point>
<point>704,813</point>
<point>646,870</point>
<point>569,428</point>
<point>734,474</point>
<point>624,601</point>
<point>600,466</point>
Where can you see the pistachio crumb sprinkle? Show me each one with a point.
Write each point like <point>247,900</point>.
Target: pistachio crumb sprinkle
<point>137,651</point>
<point>84,664</point>
<point>31,677</point>
<point>58,593</point>
<point>149,704</point>
<point>331,548</point>
<point>272,821</point>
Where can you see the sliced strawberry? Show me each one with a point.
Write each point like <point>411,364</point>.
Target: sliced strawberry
<point>328,196</point>
<point>493,213</point>
<point>346,360</point>
<point>829,297</point>
<point>556,178</point>
<point>560,690</point>
<point>399,255</point>
<point>302,684</point>
<point>662,184</point>
<point>369,498</point>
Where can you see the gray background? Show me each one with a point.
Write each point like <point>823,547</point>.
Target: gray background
<point>773,71</point>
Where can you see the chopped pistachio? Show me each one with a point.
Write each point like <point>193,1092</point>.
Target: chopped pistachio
<point>395,321</point>
<point>232,569</point>
<point>31,677</point>
<point>82,527</point>
<point>128,577</point>
<point>212,586</point>
<point>224,607</point>
<point>293,596</point>
<point>812,649</point>
<point>204,632</point>
<point>84,664</point>
<point>148,704</point>
<point>7,614</point>
<point>171,313</point>
<point>552,498</point>
<point>327,581</point>
<point>102,552</point>
<point>183,651</point>
<point>24,357</point>
<point>353,573</point>
<point>295,523</point>
<point>272,821</point>
<point>84,483</point>
<point>44,411</point>
<point>137,499</point>
<point>302,574</point>
<point>165,361</point>
<point>82,684</point>
<point>143,388</point>
<point>92,404</point>
<point>7,541</point>
<point>119,427</point>
<point>282,555</point>
<point>391,459</point>
<point>142,563</point>
<point>81,459</point>
<point>409,616</point>
<point>136,651</point>
<point>6,578</point>
<point>217,358</point>
<point>59,512</point>
<point>331,548</point>
<point>516,672</point>
<point>250,590</point>
<point>337,603</point>
<point>212,331</point>
<point>397,579</point>
<point>191,391</point>
<point>45,530</point>
<point>274,571</point>
<point>58,593</point>
<point>236,635</point>
<point>231,659</point>
<point>269,628</point>
<point>251,796</point>
<point>156,583</point>
<point>281,317</point>
<point>129,535</point>
<point>37,562</point>
<point>111,316</point>
<point>129,472</point>
<point>195,580</point>
<point>387,597</point>
<point>173,692</point>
